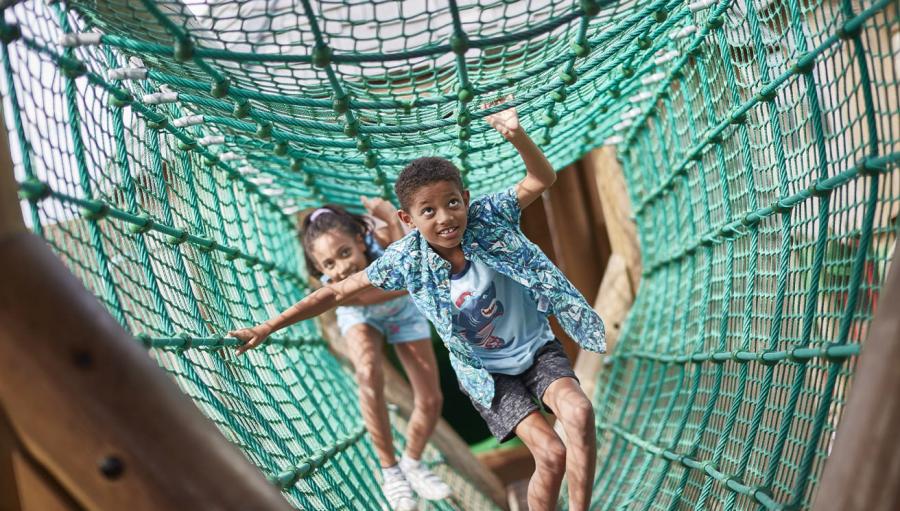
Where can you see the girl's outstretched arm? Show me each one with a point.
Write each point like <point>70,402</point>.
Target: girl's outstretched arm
<point>317,302</point>
<point>373,296</point>
<point>387,213</point>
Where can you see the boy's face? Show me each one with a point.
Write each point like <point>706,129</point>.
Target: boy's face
<point>440,211</point>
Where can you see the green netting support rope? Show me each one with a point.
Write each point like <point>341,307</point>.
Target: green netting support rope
<point>163,147</point>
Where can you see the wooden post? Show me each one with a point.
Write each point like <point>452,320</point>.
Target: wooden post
<point>617,210</point>
<point>613,303</point>
<point>10,214</point>
<point>90,420</point>
<point>623,272</point>
<point>864,466</point>
<point>9,494</point>
<point>92,409</point>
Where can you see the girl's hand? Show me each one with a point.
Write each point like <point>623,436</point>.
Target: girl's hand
<point>380,209</point>
<point>251,337</point>
<point>505,121</point>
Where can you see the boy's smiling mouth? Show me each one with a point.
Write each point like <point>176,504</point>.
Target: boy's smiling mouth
<point>449,232</point>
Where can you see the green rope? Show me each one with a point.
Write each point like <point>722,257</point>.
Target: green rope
<point>163,149</point>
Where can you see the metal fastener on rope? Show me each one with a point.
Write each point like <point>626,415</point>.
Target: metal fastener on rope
<point>683,32</point>
<point>188,120</point>
<point>666,57</point>
<point>159,98</point>
<point>127,73</point>
<point>211,140</point>
<point>701,5</point>
<point>74,40</point>
<point>637,98</point>
<point>654,78</point>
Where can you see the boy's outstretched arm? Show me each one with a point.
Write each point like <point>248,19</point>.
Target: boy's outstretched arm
<point>317,302</point>
<point>539,175</point>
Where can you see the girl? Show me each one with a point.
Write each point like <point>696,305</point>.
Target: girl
<point>338,244</point>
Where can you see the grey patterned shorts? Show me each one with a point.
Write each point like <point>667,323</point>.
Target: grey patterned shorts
<point>517,396</point>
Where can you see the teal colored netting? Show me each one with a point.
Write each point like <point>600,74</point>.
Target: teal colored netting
<point>162,148</point>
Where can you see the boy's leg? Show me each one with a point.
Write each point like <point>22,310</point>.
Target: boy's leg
<point>365,344</point>
<point>573,409</point>
<point>420,365</point>
<point>549,461</point>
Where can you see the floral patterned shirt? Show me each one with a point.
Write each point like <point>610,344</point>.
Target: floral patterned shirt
<point>494,238</point>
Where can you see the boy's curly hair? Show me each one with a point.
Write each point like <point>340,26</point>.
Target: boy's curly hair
<point>422,172</point>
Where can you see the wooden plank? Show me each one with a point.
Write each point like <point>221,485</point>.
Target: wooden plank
<point>38,490</point>
<point>617,210</point>
<point>574,232</point>
<point>80,392</point>
<point>9,494</point>
<point>10,213</point>
<point>864,466</point>
<point>623,271</point>
<point>614,300</point>
<point>580,245</point>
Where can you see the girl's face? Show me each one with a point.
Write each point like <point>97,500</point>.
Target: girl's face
<point>338,255</point>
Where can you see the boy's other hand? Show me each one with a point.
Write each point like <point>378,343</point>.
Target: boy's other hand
<point>379,208</point>
<point>251,337</point>
<point>504,121</point>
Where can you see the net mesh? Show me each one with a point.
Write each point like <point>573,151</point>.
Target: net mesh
<point>162,149</point>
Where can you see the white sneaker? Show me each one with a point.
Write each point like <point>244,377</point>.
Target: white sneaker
<point>425,482</point>
<point>397,490</point>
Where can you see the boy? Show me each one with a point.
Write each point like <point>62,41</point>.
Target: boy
<point>488,291</point>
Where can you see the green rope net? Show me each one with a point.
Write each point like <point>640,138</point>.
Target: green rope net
<point>163,147</point>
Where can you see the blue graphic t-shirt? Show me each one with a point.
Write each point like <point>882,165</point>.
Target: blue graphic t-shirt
<point>488,311</point>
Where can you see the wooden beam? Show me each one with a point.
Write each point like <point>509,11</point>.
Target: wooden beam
<point>9,447</point>
<point>95,411</point>
<point>620,282</point>
<point>617,210</point>
<point>37,489</point>
<point>10,213</point>
<point>613,302</point>
<point>864,466</point>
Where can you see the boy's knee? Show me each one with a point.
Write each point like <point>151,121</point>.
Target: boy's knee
<point>552,457</point>
<point>581,414</point>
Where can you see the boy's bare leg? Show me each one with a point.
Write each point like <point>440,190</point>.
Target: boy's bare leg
<point>549,461</point>
<point>573,409</point>
<point>365,343</point>
<point>418,360</point>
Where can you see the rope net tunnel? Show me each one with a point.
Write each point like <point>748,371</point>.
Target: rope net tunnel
<point>162,149</point>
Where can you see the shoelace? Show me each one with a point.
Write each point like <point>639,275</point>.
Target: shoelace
<point>427,484</point>
<point>424,475</point>
<point>397,488</point>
